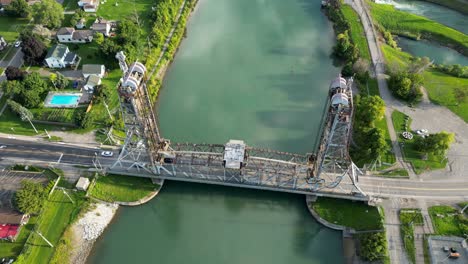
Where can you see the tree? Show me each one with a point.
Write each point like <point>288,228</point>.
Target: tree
<point>376,144</point>
<point>30,198</point>
<point>14,73</point>
<point>12,88</point>
<point>58,80</point>
<point>79,14</point>
<point>19,8</point>
<point>99,38</point>
<point>437,143</point>
<point>48,13</point>
<point>33,48</point>
<point>30,91</point>
<point>369,109</point>
<point>22,111</point>
<point>373,246</point>
<point>406,85</point>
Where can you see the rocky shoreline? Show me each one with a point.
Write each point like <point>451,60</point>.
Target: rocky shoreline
<point>88,229</point>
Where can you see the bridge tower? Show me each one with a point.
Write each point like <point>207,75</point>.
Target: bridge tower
<point>333,162</point>
<point>142,142</point>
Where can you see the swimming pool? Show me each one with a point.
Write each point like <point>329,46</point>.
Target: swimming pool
<point>62,100</point>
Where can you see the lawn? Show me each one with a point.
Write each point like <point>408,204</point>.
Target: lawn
<point>57,214</point>
<point>389,157</point>
<point>396,173</point>
<point>357,215</point>
<point>409,218</point>
<point>407,24</point>
<point>10,27</point>
<point>13,249</point>
<point>442,90</point>
<point>70,5</point>
<point>357,32</point>
<point>448,221</point>
<point>395,58</point>
<point>89,53</point>
<point>127,8</point>
<point>122,188</point>
<point>410,153</point>
<point>10,123</point>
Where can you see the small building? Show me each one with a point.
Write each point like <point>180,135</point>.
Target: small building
<point>3,43</point>
<point>89,5</point>
<point>101,26</point>
<point>82,184</point>
<point>93,69</point>
<point>91,82</point>
<point>81,23</point>
<point>10,223</point>
<point>234,154</point>
<point>59,56</point>
<point>70,35</point>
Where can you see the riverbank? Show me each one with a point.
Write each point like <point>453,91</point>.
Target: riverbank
<point>418,27</point>
<point>86,230</point>
<point>457,5</point>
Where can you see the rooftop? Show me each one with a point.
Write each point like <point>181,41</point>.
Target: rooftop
<point>10,216</point>
<point>65,31</point>
<point>234,153</point>
<point>92,69</point>
<point>57,51</point>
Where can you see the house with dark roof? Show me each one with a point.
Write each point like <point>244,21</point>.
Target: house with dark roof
<point>102,26</point>
<point>59,56</point>
<point>70,35</point>
<point>10,223</point>
<point>93,69</point>
<point>5,2</point>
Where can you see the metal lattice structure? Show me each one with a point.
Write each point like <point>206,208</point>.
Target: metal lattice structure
<point>329,172</point>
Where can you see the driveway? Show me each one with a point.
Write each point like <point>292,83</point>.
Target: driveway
<point>16,60</point>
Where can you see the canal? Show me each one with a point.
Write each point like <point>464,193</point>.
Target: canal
<point>256,70</point>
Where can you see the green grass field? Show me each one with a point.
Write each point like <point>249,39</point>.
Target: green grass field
<point>442,90</point>
<point>57,214</point>
<point>447,221</point>
<point>65,115</point>
<point>411,154</point>
<point>13,249</point>
<point>357,32</point>
<point>127,8</point>
<point>409,218</point>
<point>395,58</point>
<point>122,188</point>
<point>396,173</point>
<point>10,27</point>
<point>69,5</point>
<point>10,123</point>
<point>407,24</point>
<point>348,213</point>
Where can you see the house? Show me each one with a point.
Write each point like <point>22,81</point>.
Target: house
<point>89,5</point>
<point>70,35</point>
<point>93,69</point>
<point>59,56</point>
<point>82,184</point>
<point>101,26</point>
<point>5,2</point>
<point>91,82</point>
<point>3,43</point>
<point>10,223</point>
<point>81,23</point>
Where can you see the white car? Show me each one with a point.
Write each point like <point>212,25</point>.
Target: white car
<point>2,146</point>
<point>17,44</point>
<point>107,153</point>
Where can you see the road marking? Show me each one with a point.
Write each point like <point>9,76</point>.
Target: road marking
<point>58,161</point>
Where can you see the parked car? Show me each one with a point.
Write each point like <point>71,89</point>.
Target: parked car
<point>107,153</point>
<point>454,255</point>
<point>2,146</point>
<point>17,44</point>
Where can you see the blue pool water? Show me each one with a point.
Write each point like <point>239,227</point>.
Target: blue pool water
<point>64,99</point>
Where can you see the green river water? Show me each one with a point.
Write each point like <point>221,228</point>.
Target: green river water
<point>256,70</point>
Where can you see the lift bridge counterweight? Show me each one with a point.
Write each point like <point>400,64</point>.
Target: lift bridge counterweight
<point>328,172</point>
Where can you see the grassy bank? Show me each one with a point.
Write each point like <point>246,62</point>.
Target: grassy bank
<point>414,26</point>
<point>13,249</point>
<point>448,221</point>
<point>410,153</point>
<point>57,214</point>
<point>409,218</point>
<point>357,31</point>
<point>357,215</point>
<point>444,89</point>
<point>122,188</point>
<point>457,5</point>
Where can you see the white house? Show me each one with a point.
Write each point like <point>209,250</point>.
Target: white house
<point>3,43</point>
<point>91,82</point>
<point>101,26</point>
<point>70,35</point>
<point>89,5</point>
<point>93,69</point>
<point>59,56</point>
<point>81,23</point>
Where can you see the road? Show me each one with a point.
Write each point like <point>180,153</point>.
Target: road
<point>16,60</point>
<point>59,153</point>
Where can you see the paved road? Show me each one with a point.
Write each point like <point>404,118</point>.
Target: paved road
<point>16,60</point>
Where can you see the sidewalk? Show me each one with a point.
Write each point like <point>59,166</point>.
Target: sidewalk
<point>392,224</point>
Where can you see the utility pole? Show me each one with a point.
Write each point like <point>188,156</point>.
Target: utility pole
<point>32,124</point>
<point>107,108</point>
<point>47,133</point>
<point>71,200</point>
<point>45,239</point>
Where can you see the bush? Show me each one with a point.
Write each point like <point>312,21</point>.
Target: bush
<point>30,198</point>
<point>373,246</point>
<point>406,86</point>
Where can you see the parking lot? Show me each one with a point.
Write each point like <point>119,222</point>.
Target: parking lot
<point>439,256</point>
<point>11,182</point>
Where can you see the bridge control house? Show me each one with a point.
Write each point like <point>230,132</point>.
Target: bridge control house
<point>234,154</point>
